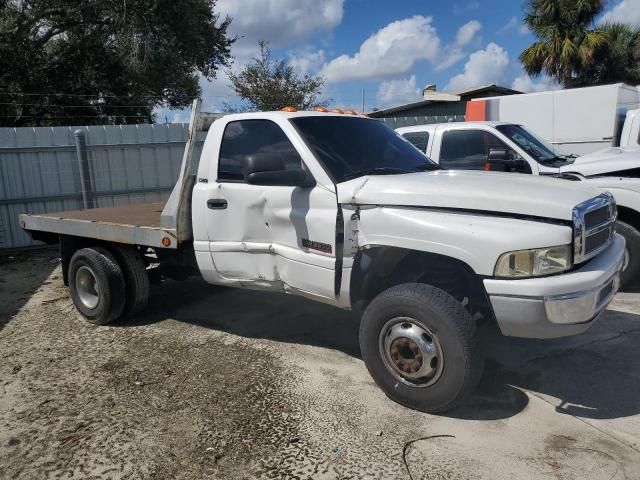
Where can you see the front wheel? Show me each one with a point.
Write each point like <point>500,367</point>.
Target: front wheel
<point>419,345</point>
<point>631,266</point>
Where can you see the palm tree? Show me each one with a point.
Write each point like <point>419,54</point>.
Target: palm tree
<point>619,61</point>
<point>568,39</point>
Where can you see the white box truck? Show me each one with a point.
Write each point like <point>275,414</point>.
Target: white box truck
<point>574,121</point>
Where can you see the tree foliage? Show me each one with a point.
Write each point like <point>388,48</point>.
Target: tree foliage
<point>269,84</point>
<point>619,61</point>
<point>575,51</point>
<point>568,40</point>
<point>104,61</point>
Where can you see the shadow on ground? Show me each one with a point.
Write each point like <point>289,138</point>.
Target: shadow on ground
<point>591,376</point>
<point>253,314</point>
<point>28,271</point>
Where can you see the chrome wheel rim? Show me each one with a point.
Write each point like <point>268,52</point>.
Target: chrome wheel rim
<point>411,352</point>
<point>87,287</point>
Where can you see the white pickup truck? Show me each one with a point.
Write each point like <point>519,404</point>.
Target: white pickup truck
<point>509,147</point>
<point>340,209</point>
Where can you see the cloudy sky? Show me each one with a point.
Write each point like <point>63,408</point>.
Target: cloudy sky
<point>391,49</point>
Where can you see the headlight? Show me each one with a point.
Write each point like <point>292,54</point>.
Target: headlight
<point>533,263</point>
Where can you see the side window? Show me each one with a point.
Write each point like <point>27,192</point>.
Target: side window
<point>420,140</point>
<point>250,137</point>
<point>468,149</point>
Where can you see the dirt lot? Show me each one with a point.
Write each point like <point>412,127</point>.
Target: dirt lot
<point>218,383</point>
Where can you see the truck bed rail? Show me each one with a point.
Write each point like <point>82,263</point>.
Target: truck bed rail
<point>137,224</point>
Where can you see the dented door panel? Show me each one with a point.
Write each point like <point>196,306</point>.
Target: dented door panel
<point>281,238</point>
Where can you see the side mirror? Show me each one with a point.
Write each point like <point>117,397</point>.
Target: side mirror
<point>268,169</point>
<point>500,160</point>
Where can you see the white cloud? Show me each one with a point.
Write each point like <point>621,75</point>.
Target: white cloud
<point>392,50</point>
<point>467,32</point>
<point>524,83</point>
<point>454,52</point>
<point>450,58</point>
<point>216,92</point>
<point>280,22</point>
<point>484,67</point>
<point>398,91</point>
<point>306,61</point>
<point>625,11</point>
<point>462,8</point>
<point>514,24</point>
<point>513,21</point>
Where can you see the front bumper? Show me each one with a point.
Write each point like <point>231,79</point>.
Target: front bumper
<point>560,305</point>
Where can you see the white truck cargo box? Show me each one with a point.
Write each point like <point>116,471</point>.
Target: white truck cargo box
<point>575,121</point>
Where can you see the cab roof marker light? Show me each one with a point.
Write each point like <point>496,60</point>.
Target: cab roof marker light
<point>289,109</point>
<point>320,109</point>
<point>337,110</point>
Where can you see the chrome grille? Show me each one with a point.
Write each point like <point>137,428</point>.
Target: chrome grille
<point>597,217</point>
<point>593,226</point>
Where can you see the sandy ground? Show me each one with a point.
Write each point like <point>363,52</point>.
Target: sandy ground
<point>223,384</point>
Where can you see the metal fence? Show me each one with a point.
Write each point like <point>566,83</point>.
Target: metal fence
<point>397,122</point>
<point>40,173</point>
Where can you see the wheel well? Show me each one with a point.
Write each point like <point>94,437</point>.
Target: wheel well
<point>379,268</point>
<point>627,215</point>
<point>178,264</point>
<point>70,245</point>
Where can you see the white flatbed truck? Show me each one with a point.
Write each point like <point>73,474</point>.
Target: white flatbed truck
<point>340,209</point>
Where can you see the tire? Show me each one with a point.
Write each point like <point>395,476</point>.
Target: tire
<point>631,236</point>
<point>97,285</point>
<point>452,332</point>
<point>136,279</point>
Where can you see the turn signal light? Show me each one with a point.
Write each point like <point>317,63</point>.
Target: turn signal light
<point>166,241</point>
<point>289,109</point>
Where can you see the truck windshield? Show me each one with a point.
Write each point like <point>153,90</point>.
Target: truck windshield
<point>538,149</point>
<point>351,147</point>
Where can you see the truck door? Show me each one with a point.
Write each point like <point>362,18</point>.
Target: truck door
<point>272,237</point>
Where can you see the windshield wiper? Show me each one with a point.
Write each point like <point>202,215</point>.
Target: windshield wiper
<point>377,171</point>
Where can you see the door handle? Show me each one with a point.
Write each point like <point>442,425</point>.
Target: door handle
<point>217,204</point>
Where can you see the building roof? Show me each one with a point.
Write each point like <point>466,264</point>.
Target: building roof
<point>437,97</point>
<point>487,88</point>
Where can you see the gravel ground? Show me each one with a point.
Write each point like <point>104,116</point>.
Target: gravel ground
<point>224,384</point>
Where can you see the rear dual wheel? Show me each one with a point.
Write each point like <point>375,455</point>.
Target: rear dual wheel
<point>105,287</point>
<point>419,345</point>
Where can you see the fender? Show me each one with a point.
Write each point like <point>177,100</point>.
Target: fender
<point>476,240</point>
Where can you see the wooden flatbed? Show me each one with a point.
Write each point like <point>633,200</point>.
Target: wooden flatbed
<point>134,224</point>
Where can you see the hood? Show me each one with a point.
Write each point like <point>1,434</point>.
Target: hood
<point>610,160</point>
<point>508,193</point>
